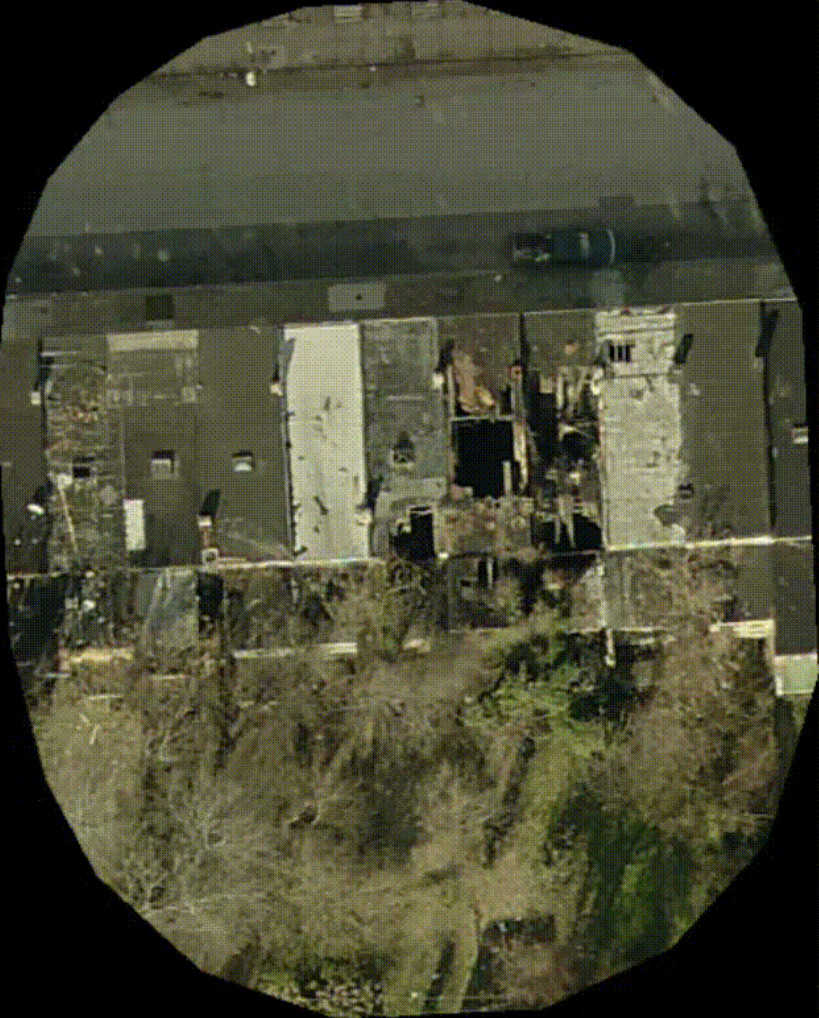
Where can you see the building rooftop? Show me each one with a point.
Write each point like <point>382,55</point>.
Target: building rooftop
<point>794,597</point>
<point>484,346</point>
<point>476,526</point>
<point>787,401</point>
<point>404,419</point>
<point>238,414</point>
<point>753,584</point>
<point>170,503</point>
<point>559,339</point>
<point>640,428</point>
<point>724,448</point>
<point>152,393</point>
<point>324,398</point>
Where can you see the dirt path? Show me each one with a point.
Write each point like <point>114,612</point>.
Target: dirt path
<point>445,916</point>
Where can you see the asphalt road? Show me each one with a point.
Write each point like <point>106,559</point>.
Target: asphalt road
<point>566,135</point>
<point>182,182</point>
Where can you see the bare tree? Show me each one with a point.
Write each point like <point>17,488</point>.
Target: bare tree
<point>217,882</point>
<point>698,755</point>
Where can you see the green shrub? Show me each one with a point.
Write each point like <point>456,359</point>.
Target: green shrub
<point>636,914</point>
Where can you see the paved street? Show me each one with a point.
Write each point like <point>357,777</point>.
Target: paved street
<point>192,180</point>
<point>566,135</point>
<point>414,174</point>
<point>391,34</point>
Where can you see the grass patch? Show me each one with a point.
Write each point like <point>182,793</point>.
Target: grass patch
<point>635,886</point>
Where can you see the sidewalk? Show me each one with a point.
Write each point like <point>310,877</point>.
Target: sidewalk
<point>378,35</point>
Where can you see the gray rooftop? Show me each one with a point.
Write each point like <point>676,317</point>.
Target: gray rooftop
<point>787,397</point>
<point>794,597</point>
<point>171,504</point>
<point>399,358</point>
<point>724,447</point>
<point>152,390</point>
<point>559,338</point>
<point>640,430</point>
<point>753,588</point>
<point>239,413</point>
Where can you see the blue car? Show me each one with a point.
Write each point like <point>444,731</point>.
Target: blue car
<point>595,248</point>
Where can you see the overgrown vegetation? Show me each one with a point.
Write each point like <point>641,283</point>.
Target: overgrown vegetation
<point>635,882</point>
<point>326,829</point>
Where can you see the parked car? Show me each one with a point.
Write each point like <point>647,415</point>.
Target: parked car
<point>595,247</point>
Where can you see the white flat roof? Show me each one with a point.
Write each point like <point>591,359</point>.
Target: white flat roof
<point>324,396</point>
<point>134,509</point>
<point>796,674</point>
<point>176,339</point>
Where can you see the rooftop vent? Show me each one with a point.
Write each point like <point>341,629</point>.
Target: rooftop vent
<point>620,353</point>
<point>402,453</point>
<point>163,464</point>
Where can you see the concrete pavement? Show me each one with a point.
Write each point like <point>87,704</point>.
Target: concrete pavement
<point>390,33</point>
<point>566,135</point>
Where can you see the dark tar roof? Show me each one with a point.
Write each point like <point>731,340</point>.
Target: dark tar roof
<point>725,441</point>
<point>787,399</point>
<point>794,597</point>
